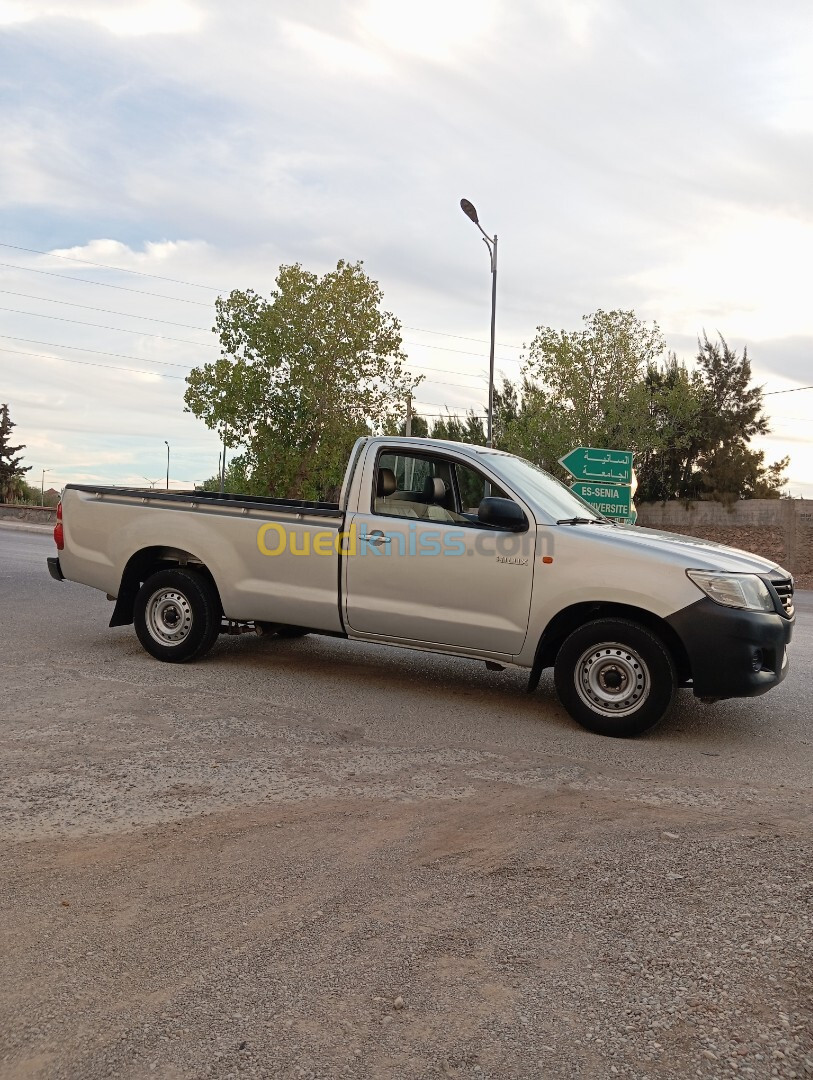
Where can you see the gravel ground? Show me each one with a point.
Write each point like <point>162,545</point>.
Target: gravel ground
<point>315,859</point>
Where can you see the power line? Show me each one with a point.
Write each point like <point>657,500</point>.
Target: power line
<point>164,337</point>
<point>187,326</point>
<point>140,359</point>
<point>462,337</point>
<point>90,363</point>
<point>198,303</point>
<point>96,352</point>
<point>105,311</point>
<point>453,415</point>
<point>106,266</point>
<point>118,329</point>
<point>442,405</point>
<point>445,371</point>
<point>793,390</point>
<point>194,285</point>
<point>463,352</point>
<point>463,386</point>
<point>102,284</point>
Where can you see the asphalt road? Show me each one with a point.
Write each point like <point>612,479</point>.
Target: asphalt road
<point>456,879</point>
<point>409,697</point>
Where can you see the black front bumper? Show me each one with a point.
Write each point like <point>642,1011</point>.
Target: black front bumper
<point>54,569</point>
<point>725,646</point>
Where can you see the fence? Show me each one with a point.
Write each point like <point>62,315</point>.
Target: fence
<point>778,529</point>
<point>42,515</point>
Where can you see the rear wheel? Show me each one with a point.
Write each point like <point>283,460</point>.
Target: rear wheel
<point>615,677</point>
<point>177,615</point>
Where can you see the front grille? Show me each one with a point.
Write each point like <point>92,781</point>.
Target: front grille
<point>784,590</point>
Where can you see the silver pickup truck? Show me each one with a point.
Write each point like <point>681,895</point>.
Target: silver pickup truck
<point>447,548</point>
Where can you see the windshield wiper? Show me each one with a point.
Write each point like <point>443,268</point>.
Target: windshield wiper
<point>582,521</point>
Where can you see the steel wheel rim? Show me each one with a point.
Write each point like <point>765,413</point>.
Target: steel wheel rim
<point>169,617</point>
<point>612,679</point>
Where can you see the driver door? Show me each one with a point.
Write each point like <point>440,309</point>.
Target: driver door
<point>425,569</point>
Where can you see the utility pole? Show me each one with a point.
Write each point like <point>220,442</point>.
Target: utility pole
<point>409,416</point>
<point>42,487</point>
<point>223,465</point>
<point>167,446</point>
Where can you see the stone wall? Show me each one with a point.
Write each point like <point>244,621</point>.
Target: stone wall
<point>41,515</point>
<point>778,529</point>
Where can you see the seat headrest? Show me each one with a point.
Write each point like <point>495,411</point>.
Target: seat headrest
<point>386,482</point>
<point>434,489</point>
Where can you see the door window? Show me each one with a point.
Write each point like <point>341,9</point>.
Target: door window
<point>473,487</point>
<point>430,488</point>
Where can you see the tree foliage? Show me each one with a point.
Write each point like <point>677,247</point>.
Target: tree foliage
<point>236,479</point>
<point>701,424</point>
<point>469,429</point>
<point>12,471</point>
<point>582,388</point>
<point>301,376</point>
<point>667,458</point>
<point>689,429</point>
<point>304,373</point>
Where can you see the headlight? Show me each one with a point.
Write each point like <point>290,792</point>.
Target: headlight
<point>745,591</point>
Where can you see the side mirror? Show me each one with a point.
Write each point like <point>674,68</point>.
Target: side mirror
<point>502,514</point>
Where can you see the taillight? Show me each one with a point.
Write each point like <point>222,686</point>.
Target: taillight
<point>59,532</point>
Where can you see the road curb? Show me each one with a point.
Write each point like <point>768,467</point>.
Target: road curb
<point>27,527</point>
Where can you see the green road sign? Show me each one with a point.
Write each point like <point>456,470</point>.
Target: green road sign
<point>594,463</point>
<point>612,500</point>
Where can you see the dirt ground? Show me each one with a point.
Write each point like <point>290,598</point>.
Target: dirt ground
<point>549,926</point>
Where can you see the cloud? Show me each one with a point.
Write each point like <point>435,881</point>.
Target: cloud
<point>790,357</point>
<point>135,18</point>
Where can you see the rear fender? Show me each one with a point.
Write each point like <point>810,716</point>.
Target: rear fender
<point>144,564</point>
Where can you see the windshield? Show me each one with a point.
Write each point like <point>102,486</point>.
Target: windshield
<point>551,495</point>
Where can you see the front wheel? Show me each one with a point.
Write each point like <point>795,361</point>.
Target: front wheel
<point>615,677</point>
<point>177,615</point>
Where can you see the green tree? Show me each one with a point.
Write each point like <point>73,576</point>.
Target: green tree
<point>301,376</point>
<point>12,472</point>
<point>452,428</point>
<point>507,407</point>
<point>419,427</point>
<point>236,480</point>
<point>732,415</point>
<point>584,388</point>
<point>675,407</point>
<point>700,424</point>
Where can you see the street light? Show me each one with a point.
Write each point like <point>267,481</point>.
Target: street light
<point>491,243</point>
<point>167,446</point>
<point>42,487</point>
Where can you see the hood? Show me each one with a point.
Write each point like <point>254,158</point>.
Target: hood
<point>690,552</point>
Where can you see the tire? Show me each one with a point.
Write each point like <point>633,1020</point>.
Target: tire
<point>615,677</point>
<point>177,615</point>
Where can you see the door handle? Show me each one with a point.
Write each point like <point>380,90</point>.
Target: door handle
<point>377,538</point>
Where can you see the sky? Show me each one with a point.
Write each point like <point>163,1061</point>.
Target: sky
<point>158,153</point>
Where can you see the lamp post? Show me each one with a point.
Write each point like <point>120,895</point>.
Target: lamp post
<point>42,487</point>
<point>491,243</point>
<point>167,446</point>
